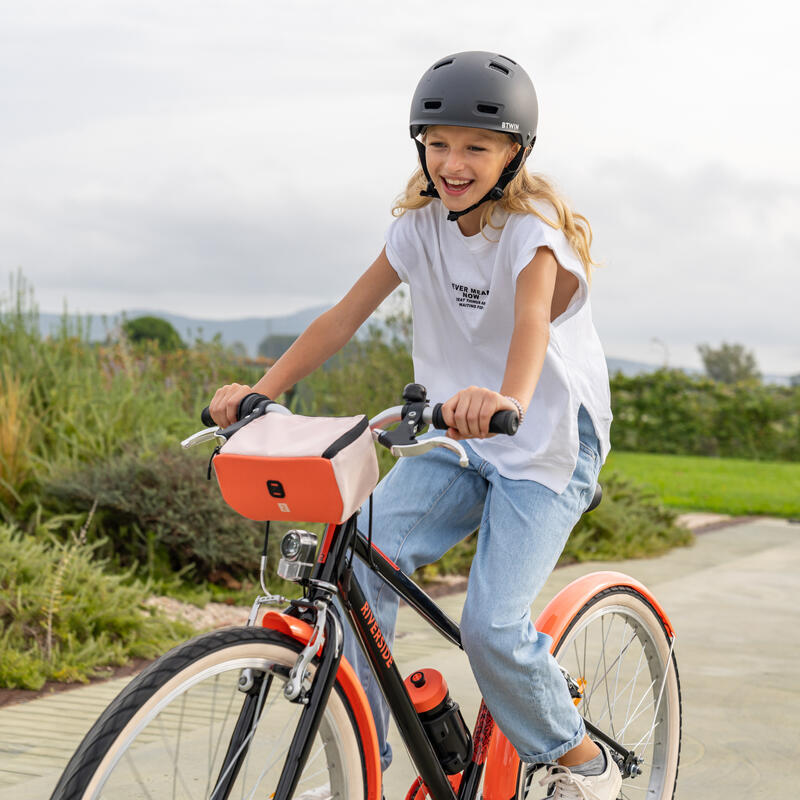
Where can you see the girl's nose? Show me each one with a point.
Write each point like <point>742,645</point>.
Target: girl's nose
<point>455,160</point>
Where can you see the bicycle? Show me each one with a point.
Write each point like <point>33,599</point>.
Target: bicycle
<point>274,711</point>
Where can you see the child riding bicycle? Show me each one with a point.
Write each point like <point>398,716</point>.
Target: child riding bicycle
<point>499,272</point>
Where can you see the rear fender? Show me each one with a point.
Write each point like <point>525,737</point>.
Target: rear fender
<point>500,782</point>
<point>348,682</point>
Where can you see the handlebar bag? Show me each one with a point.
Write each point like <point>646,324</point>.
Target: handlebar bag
<point>291,467</point>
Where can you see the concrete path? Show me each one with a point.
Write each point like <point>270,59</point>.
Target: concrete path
<point>733,599</point>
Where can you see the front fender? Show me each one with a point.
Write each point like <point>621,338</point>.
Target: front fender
<point>348,682</point>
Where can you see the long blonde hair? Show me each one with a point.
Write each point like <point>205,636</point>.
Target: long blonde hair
<point>520,197</point>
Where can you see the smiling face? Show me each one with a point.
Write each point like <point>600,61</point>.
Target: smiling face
<point>465,163</point>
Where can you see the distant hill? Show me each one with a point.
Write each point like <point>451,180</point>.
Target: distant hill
<point>252,330</point>
<point>249,331</point>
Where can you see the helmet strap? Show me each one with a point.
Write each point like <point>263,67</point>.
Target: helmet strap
<point>430,189</point>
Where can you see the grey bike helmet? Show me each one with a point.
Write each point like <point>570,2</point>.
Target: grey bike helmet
<point>476,89</point>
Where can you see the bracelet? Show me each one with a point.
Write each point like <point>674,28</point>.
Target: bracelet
<point>517,403</point>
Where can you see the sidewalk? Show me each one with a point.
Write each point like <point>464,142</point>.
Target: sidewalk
<point>730,598</point>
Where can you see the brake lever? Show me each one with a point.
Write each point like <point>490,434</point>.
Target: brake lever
<point>206,435</point>
<point>418,448</point>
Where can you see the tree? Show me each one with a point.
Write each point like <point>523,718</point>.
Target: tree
<point>143,329</point>
<point>275,345</point>
<point>729,363</point>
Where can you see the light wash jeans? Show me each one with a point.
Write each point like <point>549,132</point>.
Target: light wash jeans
<point>427,504</point>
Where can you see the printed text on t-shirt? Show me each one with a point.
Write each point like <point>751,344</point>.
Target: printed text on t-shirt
<point>467,297</point>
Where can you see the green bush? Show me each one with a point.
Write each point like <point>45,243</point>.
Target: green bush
<point>152,329</point>
<point>161,513</point>
<point>64,618</point>
<point>669,411</point>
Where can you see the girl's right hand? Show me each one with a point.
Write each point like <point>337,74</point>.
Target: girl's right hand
<point>225,403</point>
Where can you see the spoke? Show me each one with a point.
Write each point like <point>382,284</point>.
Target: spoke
<point>630,642</point>
<point>661,691</point>
<point>637,714</point>
<point>624,688</point>
<point>270,764</point>
<point>136,774</point>
<point>167,747</point>
<point>245,741</point>
<point>178,744</point>
<point>638,670</point>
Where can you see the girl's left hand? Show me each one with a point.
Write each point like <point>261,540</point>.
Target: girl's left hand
<point>468,412</point>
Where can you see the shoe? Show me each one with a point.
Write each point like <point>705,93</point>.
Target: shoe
<point>567,785</point>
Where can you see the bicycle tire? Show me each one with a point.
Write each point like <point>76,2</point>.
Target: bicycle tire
<point>123,755</point>
<point>617,643</point>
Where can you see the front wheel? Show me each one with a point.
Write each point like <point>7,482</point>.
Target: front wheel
<point>619,652</point>
<point>210,720</point>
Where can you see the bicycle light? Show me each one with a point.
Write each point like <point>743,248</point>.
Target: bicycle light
<point>298,549</point>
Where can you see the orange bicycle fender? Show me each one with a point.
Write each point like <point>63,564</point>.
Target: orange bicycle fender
<point>561,610</point>
<point>350,685</point>
<point>502,762</point>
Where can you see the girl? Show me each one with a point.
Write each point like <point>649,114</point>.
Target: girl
<point>498,269</point>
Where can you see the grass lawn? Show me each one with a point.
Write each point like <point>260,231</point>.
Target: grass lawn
<point>725,485</point>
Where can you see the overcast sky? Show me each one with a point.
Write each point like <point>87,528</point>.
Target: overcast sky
<point>240,158</point>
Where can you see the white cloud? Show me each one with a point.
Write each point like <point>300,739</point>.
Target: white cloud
<point>241,158</point>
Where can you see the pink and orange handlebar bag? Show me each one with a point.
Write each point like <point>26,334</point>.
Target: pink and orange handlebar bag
<point>291,467</point>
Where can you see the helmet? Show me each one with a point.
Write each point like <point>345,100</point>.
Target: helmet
<point>477,90</point>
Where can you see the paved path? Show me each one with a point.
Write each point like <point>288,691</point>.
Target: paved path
<point>733,598</point>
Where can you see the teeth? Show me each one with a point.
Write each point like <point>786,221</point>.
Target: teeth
<point>456,183</point>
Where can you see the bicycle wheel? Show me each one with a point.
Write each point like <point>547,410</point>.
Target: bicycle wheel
<point>169,733</point>
<point>618,650</point>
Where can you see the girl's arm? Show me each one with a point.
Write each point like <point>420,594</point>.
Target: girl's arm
<point>324,337</point>
<point>468,412</point>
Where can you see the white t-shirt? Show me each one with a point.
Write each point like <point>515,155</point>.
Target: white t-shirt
<point>462,296</point>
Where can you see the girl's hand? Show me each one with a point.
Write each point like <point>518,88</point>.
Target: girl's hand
<point>468,412</point>
<point>225,403</point>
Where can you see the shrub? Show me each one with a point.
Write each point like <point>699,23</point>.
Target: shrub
<point>152,329</point>
<point>64,618</point>
<point>161,513</point>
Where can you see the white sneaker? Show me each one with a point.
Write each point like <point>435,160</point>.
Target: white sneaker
<point>320,793</point>
<point>566,785</point>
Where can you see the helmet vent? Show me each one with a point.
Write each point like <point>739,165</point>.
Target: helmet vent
<point>483,108</point>
<point>499,67</point>
<point>432,105</point>
<point>443,63</point>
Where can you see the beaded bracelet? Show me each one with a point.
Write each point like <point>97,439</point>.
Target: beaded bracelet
<point>520,410</point>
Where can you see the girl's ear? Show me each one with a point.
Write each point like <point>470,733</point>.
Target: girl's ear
<point>514,150</point>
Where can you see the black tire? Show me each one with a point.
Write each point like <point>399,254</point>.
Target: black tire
<point>159,737</point>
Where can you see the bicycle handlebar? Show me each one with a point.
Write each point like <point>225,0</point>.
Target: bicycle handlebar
<point>505,421</point>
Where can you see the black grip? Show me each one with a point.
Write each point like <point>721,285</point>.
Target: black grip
<point>505,421</point>
<point>246,405</point>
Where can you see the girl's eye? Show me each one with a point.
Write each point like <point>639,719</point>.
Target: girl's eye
<point>436,145</point>
<point>477,149</point>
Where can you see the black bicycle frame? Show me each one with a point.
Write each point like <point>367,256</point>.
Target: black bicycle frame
<point>333,568</point>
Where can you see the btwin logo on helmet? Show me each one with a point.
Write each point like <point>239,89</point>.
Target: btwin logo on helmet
<point>509,126</point>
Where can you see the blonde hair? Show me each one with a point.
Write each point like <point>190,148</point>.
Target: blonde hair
<point>519,197</point>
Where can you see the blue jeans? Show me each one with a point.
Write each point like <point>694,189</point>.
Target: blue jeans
<point>427,504</point>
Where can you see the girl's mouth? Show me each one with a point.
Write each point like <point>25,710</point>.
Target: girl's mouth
<point>455,186</point>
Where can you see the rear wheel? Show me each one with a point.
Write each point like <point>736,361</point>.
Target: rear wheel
<point>619,652</point>
<point>210,720</point>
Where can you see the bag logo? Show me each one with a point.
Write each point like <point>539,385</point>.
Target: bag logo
<point>275,489</point>
<point>283,507</point>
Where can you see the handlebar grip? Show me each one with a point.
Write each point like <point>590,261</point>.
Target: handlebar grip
<point>505,421</point>
<point>246,405</point>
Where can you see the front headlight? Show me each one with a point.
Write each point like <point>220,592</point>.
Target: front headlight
<point>298,549</point>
